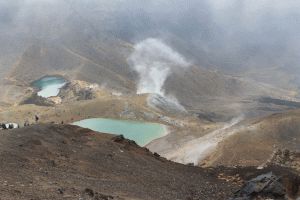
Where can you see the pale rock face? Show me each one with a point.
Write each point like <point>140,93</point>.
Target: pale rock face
<point>55,100</point>
<point>168,104</point>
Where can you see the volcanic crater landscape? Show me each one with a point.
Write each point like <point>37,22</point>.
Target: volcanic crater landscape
<point>154,100</point>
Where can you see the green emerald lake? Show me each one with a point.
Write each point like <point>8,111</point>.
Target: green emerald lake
<point>49,86</point>
<point>141,132</point>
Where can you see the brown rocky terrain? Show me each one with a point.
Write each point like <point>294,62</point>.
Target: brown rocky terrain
<point>68,162</point>
<point>259,140</point>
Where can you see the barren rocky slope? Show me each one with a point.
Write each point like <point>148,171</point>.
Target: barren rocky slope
<point>68,162</point>
<point>259,139</point>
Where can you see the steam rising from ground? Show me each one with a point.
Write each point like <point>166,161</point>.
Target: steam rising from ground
<point>196,150</point>
<point>154,62</point>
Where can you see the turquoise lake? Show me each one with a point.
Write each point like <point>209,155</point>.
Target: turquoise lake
<point>49,86</point>
<point>142,133</point>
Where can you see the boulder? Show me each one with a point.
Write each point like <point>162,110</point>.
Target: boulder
<point>265,185</point>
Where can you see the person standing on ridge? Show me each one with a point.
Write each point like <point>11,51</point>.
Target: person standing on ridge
<point>36,119</point>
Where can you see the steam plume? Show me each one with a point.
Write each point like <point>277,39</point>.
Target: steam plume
<point>154,61</point>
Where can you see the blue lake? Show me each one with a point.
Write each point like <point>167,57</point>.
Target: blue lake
<point>142,133</point>
<point>49,86</point>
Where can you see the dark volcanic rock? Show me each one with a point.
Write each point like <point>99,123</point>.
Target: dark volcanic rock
<point>37,100</point>
<point>122,140</point>
<point>265,185</point>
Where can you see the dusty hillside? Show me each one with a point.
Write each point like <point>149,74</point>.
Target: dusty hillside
<point>218,96</point>
<point>210,94</point>
<point>67,162</point>
<point>256,143</point>
<point>48,59</point>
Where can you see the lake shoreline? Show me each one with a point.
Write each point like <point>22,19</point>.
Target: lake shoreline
<point>49,86</point>
<point>141,132</point>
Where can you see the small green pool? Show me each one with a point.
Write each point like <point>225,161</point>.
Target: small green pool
<point>49,86</point>
<point>142,133</point>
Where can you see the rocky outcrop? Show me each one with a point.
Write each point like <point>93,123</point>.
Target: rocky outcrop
<point>78,90</point>
<point>89,194</point>
<point>262,187</point>
<point>38,100</point>
<point>166,104</point>
<point>286,158</point>
<point>55,100</point>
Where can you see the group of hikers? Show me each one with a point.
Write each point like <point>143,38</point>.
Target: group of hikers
<point>8,126</point>
<point>5,126</point>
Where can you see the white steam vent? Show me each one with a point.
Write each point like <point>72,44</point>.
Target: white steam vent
<point>154,61</point>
